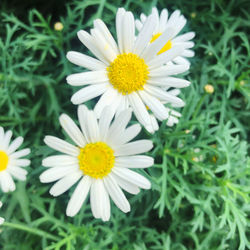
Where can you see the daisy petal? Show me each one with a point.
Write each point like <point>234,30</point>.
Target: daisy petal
<point>56,173</point>
<point>163,95</point>
<point>65,183</point>
<point>165,57</point>
<point>79,196</point>
<point>106,99</point>
<point>6,140</point>
<point>134,148</point>
<point>104,122</point>
<point>168,70</point>
<point>18,173</point>
<point>93,128</point>
<point>85,61</point>
<point>139,109</point>
<point>155,105</point>
<point>128,32</point>
<point>116,194</point>
<point>169,82</point>
<point>137,161</point>
<point>90,43</point>
<point>72,130</point>
<point>20,153</point>
<point>14,145</point>
<point>145,35</point>
<point>59,160</point>
<point>119,28</point>
<point>132,177</point>
<point>125,185</point>
<point>88,93</point>
<point>61,145</point>
<point>85,78</point>
<point>6,182</point>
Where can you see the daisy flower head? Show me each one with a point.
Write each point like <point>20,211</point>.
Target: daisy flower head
<point>175,22</point>
<point>128,73</point>
<point>11,162</point>
<point>1,218</point>
<point>100,161</point>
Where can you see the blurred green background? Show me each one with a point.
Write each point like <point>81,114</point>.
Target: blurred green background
<point>200,180</point>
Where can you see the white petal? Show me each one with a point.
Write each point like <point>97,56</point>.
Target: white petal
<point>61,145</point>
<point>106,99</point>
<point>59,160</point>
<point>79,196</point>
<point>56,173</point>
<point>188,53</point>
<point>20,153</point>
<point>139,109</point>
<point>14,145</point>
<point>168,70</point>
<point>82,112</point>
<point>163,95</point>
<point>125,185</point>
<point>85,61</point>
<point>100,204</point>
<point>72,130</point>
<point>127,135</point>
<point>119,28</point>
<point>88,93</point>
<point>100,25</point>
<point>137,161</point>
<point>138,25</point>
<point>185,37</point>
<point>6,140</point>
<point>65,183</point>
<point>128,32</point>
<point>156,46</point>
<point>92,126</point>
<point>119,124</point>
<point>1,133</point>
<point>181,60</point>
<point>6,182</point>
<point>116,194</point>
<point>91,77</point>
<point>90,43</point>
<point>103,46</point>
<point>165,57</point>
<point>169,82</point>
<point>104,122</point>
<point>20,162</point>
<point>145,35</point>
<point>154,123</point>
<point>134,148</point>
<point>132,177</point>
<point>155,105</point>
<point>163,19</point>
<point>18,173</point>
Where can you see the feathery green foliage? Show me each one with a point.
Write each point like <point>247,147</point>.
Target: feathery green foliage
<point>201,177</point>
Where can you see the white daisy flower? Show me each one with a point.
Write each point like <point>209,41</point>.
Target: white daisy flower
<point>130,73</point>
<point>100,161</point>
<point>1,218</point>
<point>174,24</point>
<point>10,163</point>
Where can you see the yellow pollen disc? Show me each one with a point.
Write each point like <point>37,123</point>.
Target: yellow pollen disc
<point>4,159</point>
<point>96,159</point>
<point>166,47</point>
<point>128,73</point>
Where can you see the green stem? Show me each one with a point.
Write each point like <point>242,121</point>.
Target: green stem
<point>31,230</point>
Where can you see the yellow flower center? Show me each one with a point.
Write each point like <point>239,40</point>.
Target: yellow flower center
<point>128,73</point>
<point>4,159</point>
<point>96,159</point>
<point>166,47</point>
